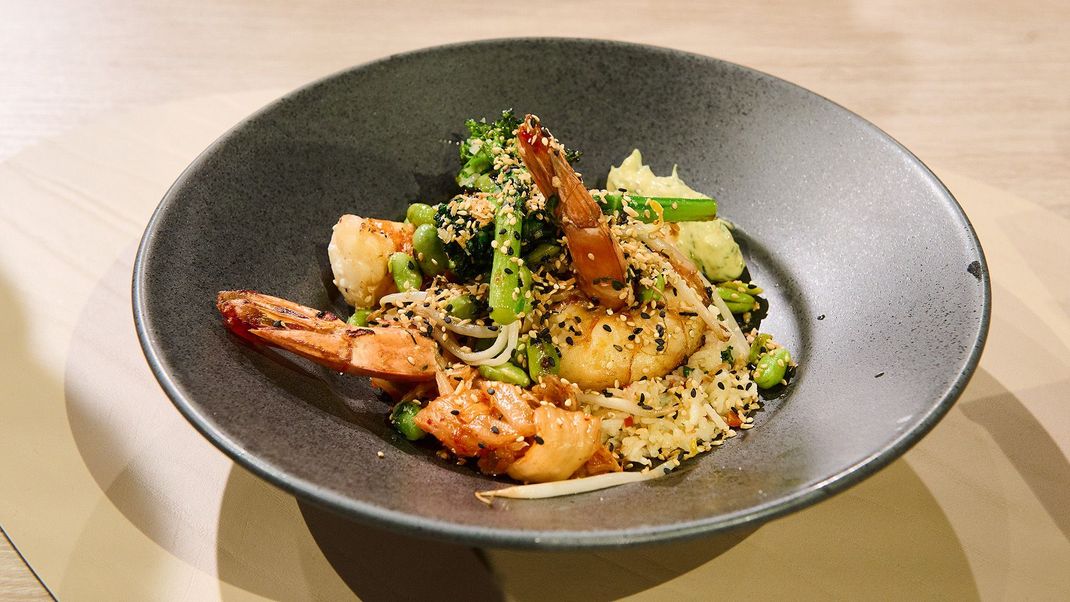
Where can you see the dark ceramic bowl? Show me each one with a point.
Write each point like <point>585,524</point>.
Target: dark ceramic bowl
<point>876,281</point>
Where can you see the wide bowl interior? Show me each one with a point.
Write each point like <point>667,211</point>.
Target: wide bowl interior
<point>875,278</point>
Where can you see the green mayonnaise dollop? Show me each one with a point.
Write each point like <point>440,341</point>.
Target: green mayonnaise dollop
<point>710,244</point>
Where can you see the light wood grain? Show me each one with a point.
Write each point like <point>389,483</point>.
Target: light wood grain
<point>978,88</point>
<point>17,583</point>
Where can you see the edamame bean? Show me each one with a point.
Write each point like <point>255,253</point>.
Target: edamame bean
<point>506,373</point>
<point>739,308</point>
<point>543,358</point>
<point>359,317</point>
<point>404,420</point>
<point>733,295</point>
<point>429,251</point>
<point>756,347</point>
<point>420,214</point>
<point>744,287</point>
<point>406,274</point>
<point>771,368</point>
<point>463,307</point>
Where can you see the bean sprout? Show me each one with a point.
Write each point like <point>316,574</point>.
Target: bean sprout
<point>574,486</point>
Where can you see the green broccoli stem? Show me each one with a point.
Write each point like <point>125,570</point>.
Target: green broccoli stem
<point>507,297</point>
<point>672,209</point>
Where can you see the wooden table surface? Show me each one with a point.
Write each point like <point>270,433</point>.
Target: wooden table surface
<point>980,88</point>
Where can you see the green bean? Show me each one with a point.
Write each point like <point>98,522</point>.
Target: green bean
<point>359,317</point>
<point>771,368</point>
<point>756,347</point>
<point>672,209</point>
<point>543,358</point>
<point>405,272</point>
<point>505,290</point>
<point>404,420</point>
<point>506,373</point>
<point>419,214</point>
<point>542,252</point>
<point>464,307</point>
<point>429,252</point>
<point>646,295</point>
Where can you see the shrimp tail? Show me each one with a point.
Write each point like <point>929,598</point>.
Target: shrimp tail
<point>396,354</point>
<point>596,254</point>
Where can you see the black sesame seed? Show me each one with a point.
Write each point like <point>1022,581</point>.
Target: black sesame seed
<point>720,386</point>
<point>277,323</point>
<point>607,328</point>
<point>539,440</point>
<point>455,412</point>
<point>568,340</point>
<point>618,347</point>
<point>644,315</point>
<point>495,430</point>
<point>490,391</point>
<point>694,392</point>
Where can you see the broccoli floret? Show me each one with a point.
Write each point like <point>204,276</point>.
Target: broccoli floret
<point>478,150</point>
<point>475,256</point>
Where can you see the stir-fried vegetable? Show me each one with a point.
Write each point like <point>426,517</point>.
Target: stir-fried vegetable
<point>406,274</point>
<point>359,317</point>
<point>429,252</point>
<point>507,295</point>
<point>419,214</point>
<point>506,373</point>
<point>771,368</point>
<point>404,420</point>
<point>543,358</point>
<point>478,150</point>
<point>651,209</point>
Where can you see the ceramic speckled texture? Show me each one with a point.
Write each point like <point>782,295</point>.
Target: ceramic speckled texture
<point>865,255</point>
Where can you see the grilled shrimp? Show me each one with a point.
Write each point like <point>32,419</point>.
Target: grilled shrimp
<point>359,250</point>
<point>599,350</point>
<point>598,259</point>
<point>393,353</point>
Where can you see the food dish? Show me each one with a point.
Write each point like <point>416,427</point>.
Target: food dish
<point>539,329</point>
<point>890,320</point>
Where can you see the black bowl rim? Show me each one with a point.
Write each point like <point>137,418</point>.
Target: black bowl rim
<point>534,539</point>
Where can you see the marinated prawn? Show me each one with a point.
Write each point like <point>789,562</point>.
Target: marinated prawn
<point>565,337</point>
